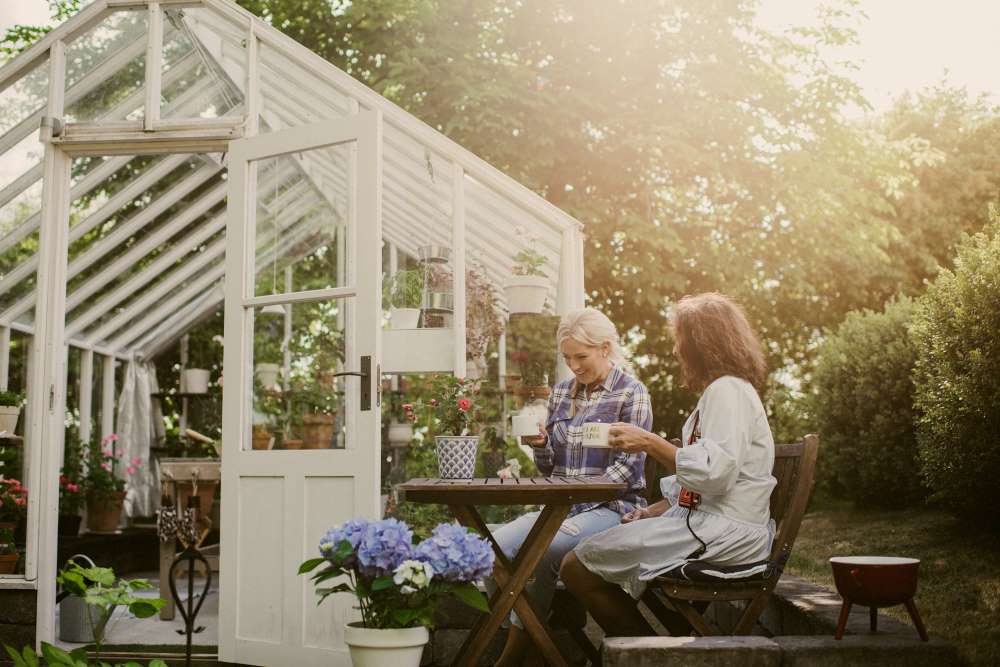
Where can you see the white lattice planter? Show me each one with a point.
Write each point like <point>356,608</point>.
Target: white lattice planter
<point>457,456</point>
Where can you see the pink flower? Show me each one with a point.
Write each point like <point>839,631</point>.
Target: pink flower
<point>107,466</point>
<point>434,403</point>
<point>72,488</point>
<point>20,501</point>
<point>408,407</point>
<point>136,461</point>
<point>464,404</point>
<point>131,470</point>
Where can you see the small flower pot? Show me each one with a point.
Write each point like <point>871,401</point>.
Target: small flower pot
<point>404,318</point>
<point>268,375</point>
<point>8,563</point>
<point>400,434</point>
<point>69,525</point>
<point>103,516</point>
<point>194,381</point>
<point>395,647</point>
<point>260,438</point>
<point>533,392</point>
<point>316,431</point>
<point>526,294</point>
<point>8,418</point>
<point>457,456</point>
<point>291,443</point>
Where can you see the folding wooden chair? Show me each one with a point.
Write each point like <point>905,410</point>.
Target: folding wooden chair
<point>794,466</point>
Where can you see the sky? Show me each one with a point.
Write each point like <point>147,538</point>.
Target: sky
<point>904,44</point>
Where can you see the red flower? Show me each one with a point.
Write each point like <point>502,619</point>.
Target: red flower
<point>434,402</point>
<point>408,407</point>
<point>464,404</point>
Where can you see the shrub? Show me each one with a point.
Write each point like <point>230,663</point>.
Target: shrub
<point>862,402</point>
<point>958,379</point>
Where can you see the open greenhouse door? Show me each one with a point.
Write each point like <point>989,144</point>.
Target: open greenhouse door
<point>301,408</point>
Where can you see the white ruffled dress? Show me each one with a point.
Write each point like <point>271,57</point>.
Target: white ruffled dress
<point>730,466</point>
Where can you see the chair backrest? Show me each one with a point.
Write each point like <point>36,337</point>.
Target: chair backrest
<point>794,467</point>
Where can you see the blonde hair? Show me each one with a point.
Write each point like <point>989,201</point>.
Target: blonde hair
<point>714,339</point>
<point>591,327</point>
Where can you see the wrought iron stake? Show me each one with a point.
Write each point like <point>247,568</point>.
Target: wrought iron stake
<point>188,609</point>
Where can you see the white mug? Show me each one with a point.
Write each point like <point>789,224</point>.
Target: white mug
<point>595,434</point>
<point>525,425</point>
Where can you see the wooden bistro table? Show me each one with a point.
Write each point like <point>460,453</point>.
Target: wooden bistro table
<point>557,494</point>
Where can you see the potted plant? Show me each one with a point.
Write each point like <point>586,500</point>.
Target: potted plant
<point>451,415</point>
<point>10,409</point>
<point>201,358</point>
<point>105,490</point>
<point>8,552</point>
<point>268,339</point>
<point>527,285</point>
<point>98,592</point>
<point>398,584</point>
<point>314,408</point>
<point>72,495</point>
<point>483,321</point>
<point>438,301</point>
<point>13,503</point>
<point>403,292</point>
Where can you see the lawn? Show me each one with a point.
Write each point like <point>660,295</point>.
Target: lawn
<point>959,592</point>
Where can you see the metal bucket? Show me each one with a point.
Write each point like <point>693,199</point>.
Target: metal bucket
<point>77,618</point>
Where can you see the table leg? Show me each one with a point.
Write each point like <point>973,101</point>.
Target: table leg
<point>511,579</point>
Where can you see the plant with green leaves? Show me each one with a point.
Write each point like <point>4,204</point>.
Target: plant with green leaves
<point>56,657</point>
<point>403,289</point>
<point>7,545</point>
<point>11,398</point>
<point>399,584</point>
<point>102,590</point>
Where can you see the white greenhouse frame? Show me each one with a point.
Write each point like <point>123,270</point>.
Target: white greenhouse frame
<point>470,206</point>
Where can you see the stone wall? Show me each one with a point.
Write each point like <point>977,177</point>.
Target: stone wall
<point>17,619</point>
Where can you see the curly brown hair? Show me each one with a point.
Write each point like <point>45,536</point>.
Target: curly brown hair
<point>714,339</point>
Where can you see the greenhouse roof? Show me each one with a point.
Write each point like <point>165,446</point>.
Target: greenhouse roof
<point>133,85</point>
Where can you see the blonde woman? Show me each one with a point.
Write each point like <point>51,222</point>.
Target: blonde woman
<point>601,390</point>
<point>727,463</point>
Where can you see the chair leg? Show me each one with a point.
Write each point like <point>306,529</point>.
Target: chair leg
<point>581,639</point>
<point>873,619</point>
<point>697,621</point>
<point>845,611</point>
<point>911,607</point>
<point>675,623</point>
<point>750,615</point>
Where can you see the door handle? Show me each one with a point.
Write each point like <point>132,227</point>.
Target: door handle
<point>366,386</point>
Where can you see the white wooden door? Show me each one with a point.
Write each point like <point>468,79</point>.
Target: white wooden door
<point>303,291</point>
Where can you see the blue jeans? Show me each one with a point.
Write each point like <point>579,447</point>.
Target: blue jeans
<point>541,587</point>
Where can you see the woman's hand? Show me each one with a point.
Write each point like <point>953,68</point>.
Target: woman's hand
<point>627,437</point>
<point>635,515</point>
<point>535,440</point>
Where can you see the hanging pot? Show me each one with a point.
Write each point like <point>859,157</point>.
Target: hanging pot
<point>457,456</point>
<point>194,381</point>
<point>404,318</point>
<point>400,434</point>
<point>8,418</point>
<point>394,647</point>
<point>526,294</point>
<point>268,375</point>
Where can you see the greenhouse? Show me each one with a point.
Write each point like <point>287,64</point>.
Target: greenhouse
<point>171,164</point>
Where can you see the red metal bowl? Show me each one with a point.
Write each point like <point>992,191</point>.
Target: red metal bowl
<point>875,581</point>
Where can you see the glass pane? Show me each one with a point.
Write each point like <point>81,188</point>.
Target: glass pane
<point>304,204</point>
<point>106,70</point>
<point>298,403</point>
<point>12,459</point>
<point>194,82</point>
<point>292,95</point>
<point>23,102</point>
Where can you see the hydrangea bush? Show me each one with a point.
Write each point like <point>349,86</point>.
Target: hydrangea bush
<point>399,584</point>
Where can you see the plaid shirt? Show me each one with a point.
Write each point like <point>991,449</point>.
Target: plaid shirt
<point>619,398</point>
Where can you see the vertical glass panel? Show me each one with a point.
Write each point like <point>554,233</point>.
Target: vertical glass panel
<point>23,101</point>
<point>293,95</point>
<point>12,457</point>
<point>203,66</point>
<point>298,402</point>
<point>304,205</point>
<point>106,70</point>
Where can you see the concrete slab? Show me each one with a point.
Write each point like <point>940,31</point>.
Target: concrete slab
<point>691,652</point>
<point>882,650</point>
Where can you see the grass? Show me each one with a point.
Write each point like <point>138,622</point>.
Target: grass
<point>959,591</point>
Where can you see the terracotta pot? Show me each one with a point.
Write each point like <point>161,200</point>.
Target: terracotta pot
<point>290,443</point>
<point>529,393</point>
<point>8,563</point>
<point>103,516</point>
<point>69,525</point>
<point>260,438</point>
<point>317,431</point>
<point>875,581</point>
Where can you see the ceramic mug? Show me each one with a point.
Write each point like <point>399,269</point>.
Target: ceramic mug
<point>525,425</point>
<point>595,434</point>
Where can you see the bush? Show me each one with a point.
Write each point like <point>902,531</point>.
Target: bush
<point>862,402</point>
<point>958,379</point>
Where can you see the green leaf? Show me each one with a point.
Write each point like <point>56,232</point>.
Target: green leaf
<point>382,583</point>
<point>470,595</point>
<point>80,655</point>
<point>405,616</point>
<point>56,656</point>
<point>343,550</point>
<point>157,663</point>
<point>29,658</point>
<point>311,565</point>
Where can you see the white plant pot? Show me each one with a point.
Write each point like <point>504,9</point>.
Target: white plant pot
<point>8,418</point>
<point>268,374</point>
<point>396,647</point>
<point>400,434</point>
<point>457,456</point>
<point>526,294</point>
<point>194,381</point>
<point>404,318</point>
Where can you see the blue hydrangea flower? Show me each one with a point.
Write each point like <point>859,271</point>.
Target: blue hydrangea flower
<point>456,554</point>
<point>352,531</point>
<point>384,546</point>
